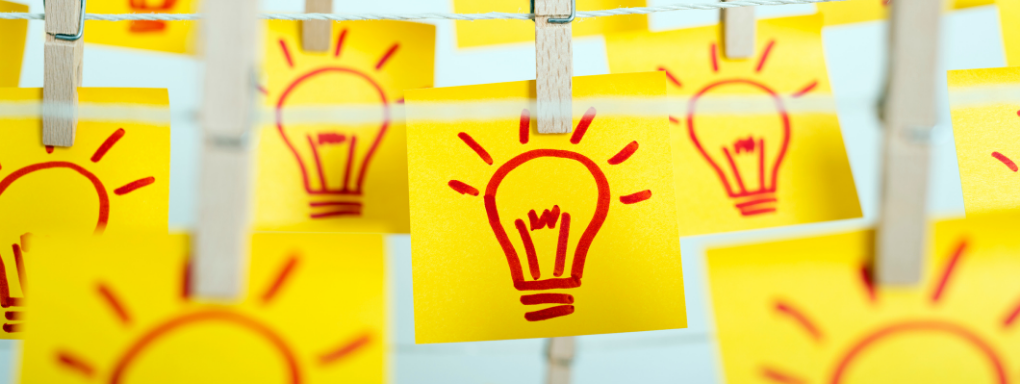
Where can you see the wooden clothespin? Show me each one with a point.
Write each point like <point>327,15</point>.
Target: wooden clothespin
<point>910,114</point>
<point>220,248</point>
<point>738,28</point>
<point>560,352</point>
<point>554,68</point>
<point>316,34</point>
<point>62,53</point>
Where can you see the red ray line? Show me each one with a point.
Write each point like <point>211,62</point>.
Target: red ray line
<point>674,120</point>
<point>339,43</point>
<point>114,303</point>
<point>463,188</point>
<point>386,56</point>
<point>765,56</point>
<point>130,187</point>
<point>470,141</point>
<point>75,363</point>
<point>561,246</point>
<point>529,249</point>
<point>948,271</point>
<point>1005,160</point>
<point>1012,316</point>
<point>780,377</point>
<point>549,313</point>
<point>806,89</point>
<point>582,126</point>
<point>800,318</point>
<point>49,149</point>
<point>105,147</point>
<point>636,197</point>
<point>672,79</point>
<point>345,349</point>
<point>186,281</point>
<point>624,153</point>
<point>335,213</point>
<point>286,53</point>
<point>869,284</point>
<point>262,89</point>
<point>715,58</point>
<point>281,277</point>
<point>525,126</point>
<point>547,298</point>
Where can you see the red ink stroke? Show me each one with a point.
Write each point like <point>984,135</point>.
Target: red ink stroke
<point>584,243</point>
<point>636,197</point>
<point>868,282</point>
<point>624,153</point>
<point>715,57</point>
<point>339,42</point>
<point>549,313</point>
<point>107,144</point>
<point>547,298</point>
<point>147,26</point>
<point>345,349</point>
<point>104,199</point>
<point>74,363</point>
<point>12,328</point>
<point>321,215</point>
<point>756,202</point>
<point>262,89</point>
<point>286,53</point>
<point>281,277</point>
<point>743,145</point>
<point>6,300</point>
<point>800,318</point>
<point>765,56</point>
<point>948,271</point>
<point>114,303</point>
<point>13,315</point>
<point>561,245</point>
<point>334,203</point>
<point>674,120</point>
<point>204,317</point>
<point>775,375</point>
<point>386,56</point>
<point>529,249</point>
<point>525,126</point>
<point>49,149</point>
<point>463,188</point>
<point>669,75</point>
<point>20,264</point>
<point>764,188</point>
<point>806,89</point>
<point>470,141</point>
<point>582,126</point>
<point>324,189</point>
<point>1011,317</point>
<point>132,186</point>
<point>330,138</point>
<point>548,218</point>
<point>921,326</point>
<point>1005,160</point>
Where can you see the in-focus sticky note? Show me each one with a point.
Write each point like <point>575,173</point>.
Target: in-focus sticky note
<point>491,32</point>
<point>164,36</point>
<point>337,161</point>
<point>1009,20</point>
<point>985,106</point>
<point>808,311</point>
<point>12,45</point>
<point>756,142</point>
<point>857,11</point>
<point>506,221</point>
<point>115,179</point>
<point>313,313</point>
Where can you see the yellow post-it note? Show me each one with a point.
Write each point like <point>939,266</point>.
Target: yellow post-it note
<point>12,45</point>
<point>807,311</point>
<point>115,179</point>
<point>856,11</point>
<point>756,143</point>
<point>164,36</point>
<point>313,313</point>
<point>505,221</point>
<point>986,126</point>
<point>491,32</point>
<point>1009,20</point>
<point>347,174</point>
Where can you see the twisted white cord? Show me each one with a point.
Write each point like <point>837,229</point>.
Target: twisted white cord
<point>424,16</point>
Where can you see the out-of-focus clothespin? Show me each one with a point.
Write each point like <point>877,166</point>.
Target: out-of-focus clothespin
<point>316,34</point>
<point>738,29</point>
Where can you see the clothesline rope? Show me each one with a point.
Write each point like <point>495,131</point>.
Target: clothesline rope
<point>425,16</point>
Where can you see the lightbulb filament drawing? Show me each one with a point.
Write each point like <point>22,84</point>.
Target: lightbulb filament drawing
<point>548,219</point>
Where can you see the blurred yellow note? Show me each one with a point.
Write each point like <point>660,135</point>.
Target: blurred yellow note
<point>756,143</point>
<point>505,221</point>
<point>807,311</point>
<point>115,179</point>
<point>490,32</point>
<point>348,174</point>
<point>12,44</point>
<point>313,313</point>
<point>164,36</point>
<point>856,11</point>
<point>986,125</point>
<point>1009,20</point>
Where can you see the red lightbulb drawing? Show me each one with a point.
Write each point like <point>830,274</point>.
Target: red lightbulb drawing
<point>334,159</point>
<point>585,230</point>
<point>148,26</point>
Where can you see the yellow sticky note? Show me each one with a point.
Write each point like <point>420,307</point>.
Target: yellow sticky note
<point>313,313</point>
<point>490,32</point>
<point>986,126</point>
<point>807,311</point>
<point>857,11</point>
<point>115,179</point>
<point>505,221</point>
<point>165,36</point>
<point>1009,20</point>
<point>756,142</point>
<point>12,45</point>
<point>349,175</point>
